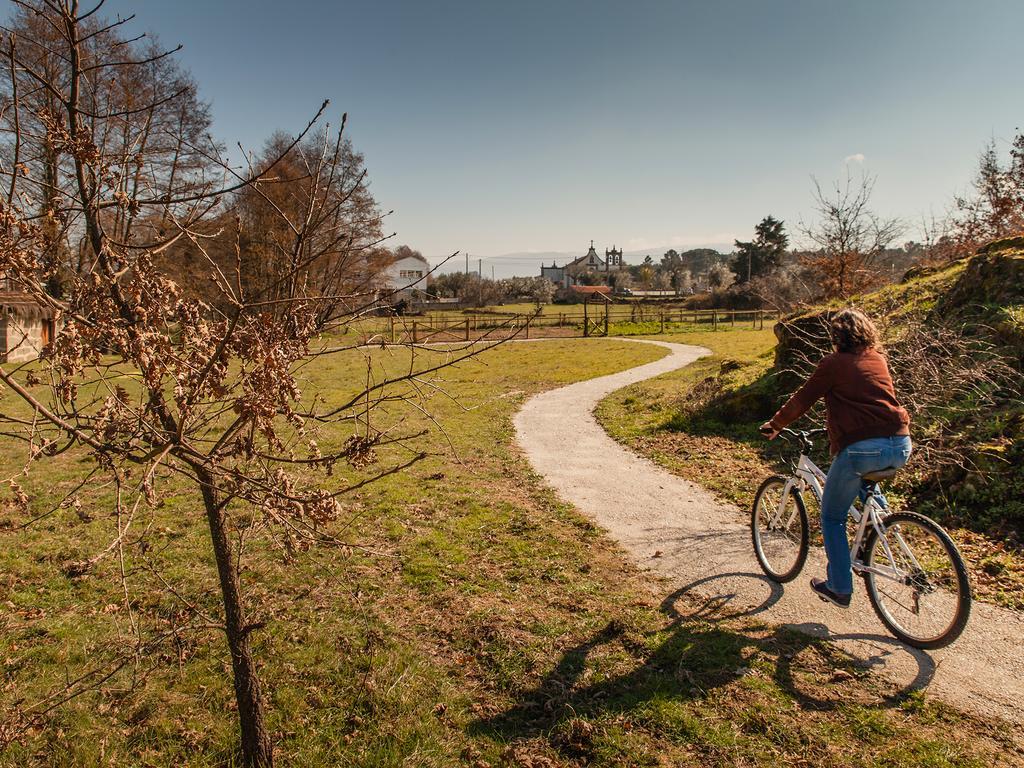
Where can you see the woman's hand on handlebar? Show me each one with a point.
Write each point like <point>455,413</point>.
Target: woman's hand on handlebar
<point>768,430</point>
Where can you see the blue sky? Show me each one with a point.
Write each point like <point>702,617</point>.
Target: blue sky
<point>499,128</point>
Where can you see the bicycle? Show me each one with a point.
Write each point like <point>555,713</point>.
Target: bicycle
<point>916,579</point>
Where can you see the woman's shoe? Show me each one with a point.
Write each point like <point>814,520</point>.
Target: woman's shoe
<point>820,586</point>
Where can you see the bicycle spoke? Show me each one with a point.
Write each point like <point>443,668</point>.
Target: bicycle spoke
<point>779,530</point>
<point>923,601</point>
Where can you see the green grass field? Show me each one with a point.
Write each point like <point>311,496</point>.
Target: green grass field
<point>479,622</point>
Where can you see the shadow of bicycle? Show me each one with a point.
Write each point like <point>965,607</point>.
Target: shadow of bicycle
<point>715,599</point>
<point>705,644</point>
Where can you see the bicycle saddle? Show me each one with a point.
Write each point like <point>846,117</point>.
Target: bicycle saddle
<point>879,474</point>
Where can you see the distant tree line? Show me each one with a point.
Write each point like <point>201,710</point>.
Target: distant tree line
<point>473,290</point>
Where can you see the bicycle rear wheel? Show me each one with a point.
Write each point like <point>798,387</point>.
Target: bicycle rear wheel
<point>928,601</point>
<point>780,546</point>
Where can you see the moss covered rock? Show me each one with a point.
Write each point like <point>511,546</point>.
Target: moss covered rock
<point>993,278</point>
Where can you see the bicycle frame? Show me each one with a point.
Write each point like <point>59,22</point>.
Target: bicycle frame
<point>809,476</point>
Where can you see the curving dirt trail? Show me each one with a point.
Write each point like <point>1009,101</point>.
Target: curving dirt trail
<point>703,548</point>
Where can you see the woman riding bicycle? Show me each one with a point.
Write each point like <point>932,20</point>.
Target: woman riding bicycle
<point>868,430</point>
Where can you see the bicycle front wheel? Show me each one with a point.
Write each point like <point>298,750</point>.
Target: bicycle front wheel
<point>922,592</point>
<point>779,529</point>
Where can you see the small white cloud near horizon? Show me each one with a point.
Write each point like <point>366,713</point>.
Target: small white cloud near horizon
<point>856,158</point>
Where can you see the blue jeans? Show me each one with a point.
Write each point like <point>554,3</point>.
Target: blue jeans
<point>842,486</point>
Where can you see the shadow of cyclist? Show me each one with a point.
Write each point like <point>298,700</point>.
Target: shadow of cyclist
<point>686,660</point>
<point>873,651</point>
<point>695,653</point>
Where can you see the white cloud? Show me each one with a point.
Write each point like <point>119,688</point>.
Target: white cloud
<point>857,158</point>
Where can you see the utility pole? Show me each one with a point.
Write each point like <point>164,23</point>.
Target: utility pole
<point>480,268</point>
<point>492,271</point>
<point>467,263</point>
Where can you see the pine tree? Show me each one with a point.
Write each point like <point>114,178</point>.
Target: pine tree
<point>762,255</point>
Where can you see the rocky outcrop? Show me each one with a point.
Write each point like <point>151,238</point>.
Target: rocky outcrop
<point>993,278</point>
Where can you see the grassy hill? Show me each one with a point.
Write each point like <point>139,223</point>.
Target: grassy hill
<point>955,339</point>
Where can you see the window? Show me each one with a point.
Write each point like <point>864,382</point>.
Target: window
<point>410,273</point>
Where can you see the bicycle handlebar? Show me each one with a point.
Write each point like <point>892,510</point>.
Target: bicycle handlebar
<point>805,437</point>
<point>807,434</point>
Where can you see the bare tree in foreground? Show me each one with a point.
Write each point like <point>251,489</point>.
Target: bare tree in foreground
<point>156,384</point>
<point>848,237</point>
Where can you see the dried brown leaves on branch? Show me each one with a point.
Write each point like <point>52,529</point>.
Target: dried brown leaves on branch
<point>110,184</point>
<point>945,376</point>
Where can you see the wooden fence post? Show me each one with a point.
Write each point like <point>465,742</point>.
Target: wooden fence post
<point>467,329</point>
<point>714,320</point>
<point>662,322</point>
<point>527,326</point>
<point>414,332</point>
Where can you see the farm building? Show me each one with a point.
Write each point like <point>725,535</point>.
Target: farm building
<point>25,327</point>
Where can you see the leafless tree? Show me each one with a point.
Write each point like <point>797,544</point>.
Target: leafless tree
<point>784,290</point>
<point>848,237</point>
<point>152,382</point>
<point>719,276</point>
<point>312,223</point>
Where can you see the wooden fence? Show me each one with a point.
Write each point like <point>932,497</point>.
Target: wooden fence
<point>595,321</point>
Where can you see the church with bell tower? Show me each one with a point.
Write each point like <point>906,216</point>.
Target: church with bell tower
<point>567,276</point>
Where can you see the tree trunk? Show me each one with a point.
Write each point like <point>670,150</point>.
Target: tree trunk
<point>257,750</point>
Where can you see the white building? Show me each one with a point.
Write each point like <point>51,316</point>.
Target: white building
<point>404,275</point>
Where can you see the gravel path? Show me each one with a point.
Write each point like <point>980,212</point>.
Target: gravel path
<point>701,546</point>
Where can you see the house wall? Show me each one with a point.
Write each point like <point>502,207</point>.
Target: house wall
<point>405,273</point>
<point>20,339</point>
<point>555,274</point>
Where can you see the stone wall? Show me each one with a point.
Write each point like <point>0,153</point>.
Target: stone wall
<point>21,339</point>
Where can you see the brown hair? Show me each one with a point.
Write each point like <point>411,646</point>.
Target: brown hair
<point>853,331</point>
